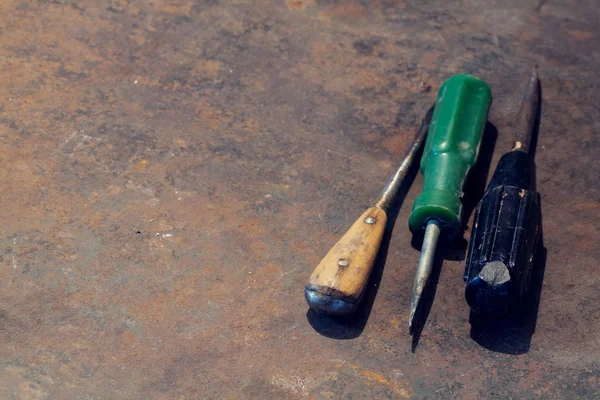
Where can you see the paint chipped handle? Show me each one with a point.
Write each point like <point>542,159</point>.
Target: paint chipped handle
<point>338,282</point>
<point>450,151</point>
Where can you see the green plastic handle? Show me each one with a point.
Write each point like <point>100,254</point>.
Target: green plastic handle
<point>451,149</point>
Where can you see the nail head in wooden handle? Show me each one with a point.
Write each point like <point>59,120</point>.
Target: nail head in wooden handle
<point>343,273</point>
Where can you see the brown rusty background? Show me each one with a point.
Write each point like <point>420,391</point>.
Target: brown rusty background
<point>173,170</point>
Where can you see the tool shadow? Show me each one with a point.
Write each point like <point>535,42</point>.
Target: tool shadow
<point>474,189</point>
<point>352,326</point>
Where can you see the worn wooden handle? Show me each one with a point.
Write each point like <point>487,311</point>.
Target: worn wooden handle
<point>343,273</point>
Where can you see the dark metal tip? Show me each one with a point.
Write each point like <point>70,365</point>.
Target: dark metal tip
<point>527,113</point>
<point>328,305</point>
<point>413,309</point>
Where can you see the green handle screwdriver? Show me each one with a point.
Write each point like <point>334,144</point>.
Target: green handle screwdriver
<point>451,149</point>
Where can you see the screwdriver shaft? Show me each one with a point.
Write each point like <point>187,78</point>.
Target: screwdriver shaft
<point>388,194</point>
<point>527,113</point>
<point>432,235</point>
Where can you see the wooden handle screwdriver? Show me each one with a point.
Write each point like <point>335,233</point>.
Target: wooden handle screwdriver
<point>338,282</point>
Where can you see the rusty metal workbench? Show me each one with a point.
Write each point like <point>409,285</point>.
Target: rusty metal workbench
<point>173,170</point>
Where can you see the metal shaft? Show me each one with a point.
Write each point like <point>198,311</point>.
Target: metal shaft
<point>387,196</point>
<point>432,234</point>
<point>527,113</point>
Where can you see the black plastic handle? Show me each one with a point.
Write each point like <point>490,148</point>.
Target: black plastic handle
<point>504,237</point>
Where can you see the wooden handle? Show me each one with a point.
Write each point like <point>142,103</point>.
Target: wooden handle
<point>343,273</point>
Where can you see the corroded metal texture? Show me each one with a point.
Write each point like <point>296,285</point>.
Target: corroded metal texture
<point>172,171</point>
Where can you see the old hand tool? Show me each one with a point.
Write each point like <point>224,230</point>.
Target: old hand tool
<point>451,149</point>
<point>507,221</point>
<point>338,282</point>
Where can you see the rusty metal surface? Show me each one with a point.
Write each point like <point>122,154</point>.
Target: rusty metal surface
<point>173,170</point>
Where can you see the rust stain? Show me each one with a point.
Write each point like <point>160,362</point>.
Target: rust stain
<point>369,79</point>
<point>212,116</point>
<point>298,4</point>
<point>398,143</point>
<point>587,205</point>
<point>210,69</point>
<point>430,59</point>
<point>177,7</point>
<point>345,11</point>
<point>580,35</point>
<point>377,377</point>
<point>140,166</point>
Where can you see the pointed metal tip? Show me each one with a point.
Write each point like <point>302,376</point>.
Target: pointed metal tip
<point>532,87</point>
<point>527,113</point>
<point>414,304</point>
<point>411,317</point>
<point>432,234</point>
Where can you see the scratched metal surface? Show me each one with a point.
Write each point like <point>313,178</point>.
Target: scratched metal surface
<point>172,171</point>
